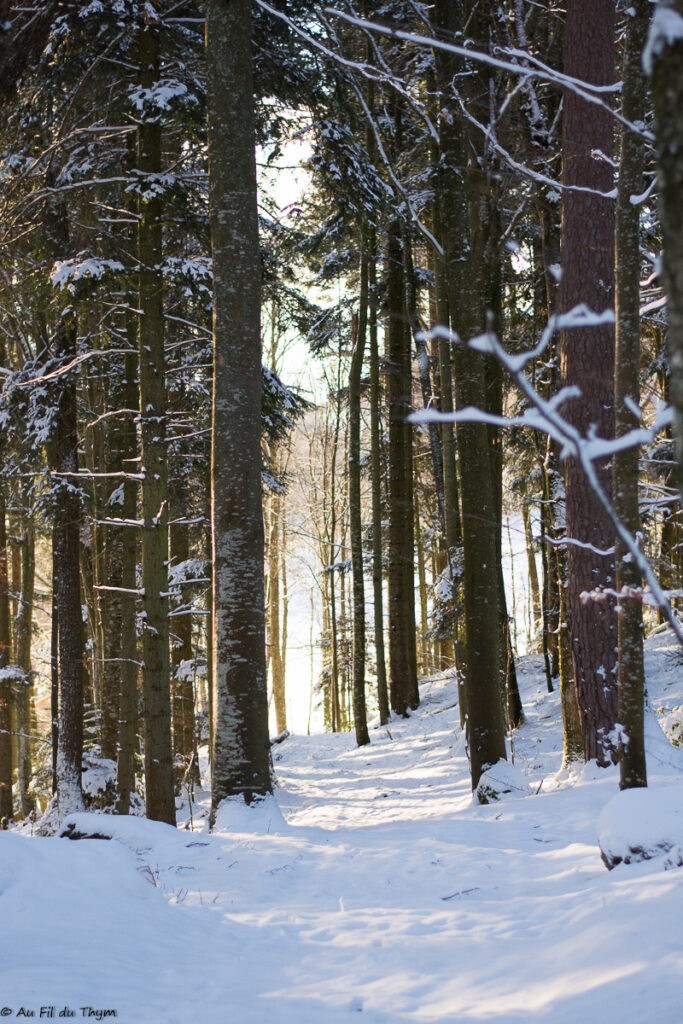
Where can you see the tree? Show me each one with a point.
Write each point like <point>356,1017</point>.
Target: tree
<point>630,668</point>
<point>240,751</point>
<point>587,260</point>
<point>665,58</point>
<point>159,793</point>
<point>459,212</point>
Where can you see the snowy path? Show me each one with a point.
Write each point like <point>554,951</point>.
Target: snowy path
<point>373,887</point>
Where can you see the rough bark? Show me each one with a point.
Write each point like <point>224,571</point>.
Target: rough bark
<point>479,512</point>
<point>630,667</point>
<point>241,750</point>
<point>63,459</point>
<point>667,87</point>
<point>587,361</point>
<point>159,794</point>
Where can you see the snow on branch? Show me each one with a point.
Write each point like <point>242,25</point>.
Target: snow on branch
<point>544,415</point>
<point>530,68</point>
<point>666,29</point>
<point>67,273</point>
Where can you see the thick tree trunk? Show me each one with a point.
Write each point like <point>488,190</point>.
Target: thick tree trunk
<point>479,508</point>
<point>241,747</point>
<point>587,260</point>
<point>667,85</point>
<point>159,795</point>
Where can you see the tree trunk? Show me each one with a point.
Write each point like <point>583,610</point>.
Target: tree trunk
<point>241,745</point>
<point>23,629</point>
<point>479,510</point>
<point>630,667</point>
<point>182,658</point>
<point>376,473</point>
<point>128,650</point>
<point>588,363</point>
<point>6,685</point>
<point>667,88</point>
<point>63,459</point>
<point>274,604</point>
<point>402,640</point>
<point>355,517</point>
<point>159,794</point>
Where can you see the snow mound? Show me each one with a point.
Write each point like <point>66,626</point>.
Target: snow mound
<point>503,779</point>
<point>643,824</point>
<point>262,817</point>
<point>138,834</point>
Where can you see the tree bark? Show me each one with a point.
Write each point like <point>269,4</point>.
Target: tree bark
<point>355,515</point>
<point>402,639</point>
<point>63,459</point>
<point>479,511</point>
<point>6,685</point>
<point>23,629</point>
<point>630,666</point>
<point>376,473</point>
<point>587,361</point>
<point>667,88</point>
<point>159,793</point>
<point>241,748</point>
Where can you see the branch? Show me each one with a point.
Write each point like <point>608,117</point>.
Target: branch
<point>544,416</point>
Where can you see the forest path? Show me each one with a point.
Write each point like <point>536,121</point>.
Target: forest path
<point>370,884</point>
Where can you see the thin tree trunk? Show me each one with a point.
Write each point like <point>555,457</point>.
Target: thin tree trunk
<point>181,653</point>
<point>23,629</point>
<point>275,649</point>
<point>6,685</point>
<point>531,564</point>
<point>402,640</point>
<point>128,650</point>
<point>355,516</point>
<point>332,555</point>
<point>630,667</point>
<point>63,458</point>
<point>376,474</point>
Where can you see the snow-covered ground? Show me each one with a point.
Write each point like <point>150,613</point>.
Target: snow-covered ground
<point>371,885</point>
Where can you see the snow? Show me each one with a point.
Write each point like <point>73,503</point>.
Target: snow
<point>371,883</point>
<point>66,273</point>
<point>666,30</point>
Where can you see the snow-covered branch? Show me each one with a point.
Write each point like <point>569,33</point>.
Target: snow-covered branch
<point>544,415</point>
